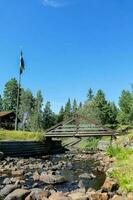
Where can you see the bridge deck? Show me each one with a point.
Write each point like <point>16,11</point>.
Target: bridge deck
<point>80,135</point>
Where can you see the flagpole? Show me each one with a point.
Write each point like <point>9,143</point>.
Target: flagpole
<point>17,108</point>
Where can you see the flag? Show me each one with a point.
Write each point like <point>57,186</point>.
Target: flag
<point>21,63</point>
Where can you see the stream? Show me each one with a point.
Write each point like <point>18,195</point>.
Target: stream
<point>79,170</point>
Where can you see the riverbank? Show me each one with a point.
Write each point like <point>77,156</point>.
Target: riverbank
<point>120,154</point>
<point>6,135</point>
<point>122,168</point>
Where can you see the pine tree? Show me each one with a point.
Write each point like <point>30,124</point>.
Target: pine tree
<point>10,95</point>
<point>75,106</point>
<point>125,115</point>
<point>68,110</point>
<point>1,104</point>
<point>101,103</point>
<point>61,114</point>
<point>26,106</point>
<point>112,113</point>
<point>90,95</point>
<point>49,118</point>
<point>80,105</point>
<point>36,116</point>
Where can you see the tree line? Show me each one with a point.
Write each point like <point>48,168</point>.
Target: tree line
<point>41,117</point>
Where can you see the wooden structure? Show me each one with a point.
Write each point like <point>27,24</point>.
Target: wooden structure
<point>80,126</point>
<point>30,148</point>
<point>7,120</point>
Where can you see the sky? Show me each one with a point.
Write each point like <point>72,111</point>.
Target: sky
<point>69,46</point>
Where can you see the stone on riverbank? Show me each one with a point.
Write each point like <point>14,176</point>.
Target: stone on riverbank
<point>117,197</point>
<point>110,185</point>
<point>102,145</point>
<point>7,189</point>
<point>52,179</point>
<point>78,195</point>
<point>18,194</point>
<point>59,196</point>
<point>37,193</point>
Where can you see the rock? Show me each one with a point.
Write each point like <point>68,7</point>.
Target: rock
<point>52,179</point>
<point>102,145</point>
<point>117,197</point>
<point>59,196</point>
<point>18,194</point>
<point>110,185</point>
<point>7,181</point>
<point>87,176</point>
<point>99,196</point>
<point>90,191</point>
<point>78,195</point>
<point>130,196</point>
<point>81,185</point>
<point>36,176</point>
<point>2,170</point>
<point>38,194</point>
<point>17,173</point>
<point>7,189</point>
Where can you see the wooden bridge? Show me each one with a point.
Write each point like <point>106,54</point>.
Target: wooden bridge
<point>80,126</point>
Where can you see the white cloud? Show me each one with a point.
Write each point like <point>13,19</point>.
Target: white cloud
<point>54,3</point>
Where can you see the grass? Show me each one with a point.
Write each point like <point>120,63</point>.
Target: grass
<point>6,135</point>
<point>123,164</point>
<point>88,144</point>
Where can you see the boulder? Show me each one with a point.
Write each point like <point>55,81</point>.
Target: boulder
<point>7,181</point>
<point>117,197</point>
<point>7,189</point>
<point>52,179</point>
<point>36,176</point>
<point>110,185</point>
<point>130,196</point>
<point>102,145</point>
<point>59,196</point>
<point>38,194</point>
<point>18,194</point>
<point>17,173</point>
<point>78,195</point>
<point>99,196</point>
<point>87,176</point>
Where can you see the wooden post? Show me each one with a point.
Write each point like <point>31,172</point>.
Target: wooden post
<point>77,125</point>
<point>111,140</point>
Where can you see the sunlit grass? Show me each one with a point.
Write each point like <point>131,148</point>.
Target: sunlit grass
<point>123,165</point>
<point>89,144</point>
<point>20,135</point>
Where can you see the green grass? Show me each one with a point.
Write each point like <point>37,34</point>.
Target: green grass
<point>88,144</point>
<point>123,164</point>
<point>6,135</point>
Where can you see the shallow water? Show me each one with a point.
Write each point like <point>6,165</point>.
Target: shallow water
<point>79,167</point>
<point>75,165</point>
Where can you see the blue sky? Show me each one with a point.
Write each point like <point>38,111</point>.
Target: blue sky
<point>68,45</point>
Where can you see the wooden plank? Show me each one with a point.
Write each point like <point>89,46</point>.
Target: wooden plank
<point>79,130</point>
<point>78,135</point>
<point>53,127</point>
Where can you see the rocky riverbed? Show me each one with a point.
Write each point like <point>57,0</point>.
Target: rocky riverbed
<point>59,177</point>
